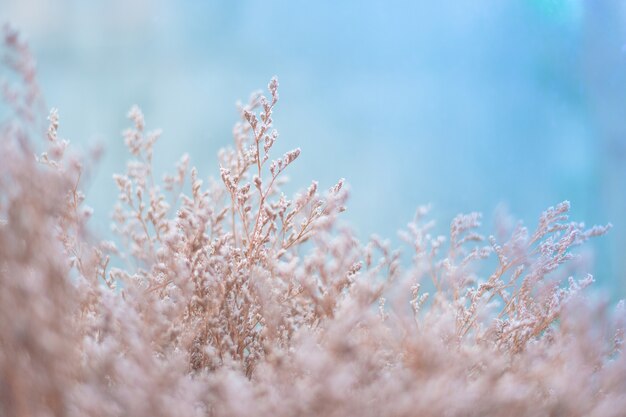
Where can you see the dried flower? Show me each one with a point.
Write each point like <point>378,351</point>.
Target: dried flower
<point>235,300</point>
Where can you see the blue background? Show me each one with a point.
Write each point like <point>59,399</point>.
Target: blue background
<point>467,105</point>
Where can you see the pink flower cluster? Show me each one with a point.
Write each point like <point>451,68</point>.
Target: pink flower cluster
<point>230,298</point>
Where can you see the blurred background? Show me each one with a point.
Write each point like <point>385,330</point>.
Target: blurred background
<point>469,105</point>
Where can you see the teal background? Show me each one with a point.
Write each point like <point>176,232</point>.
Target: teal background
<point>468,105</point>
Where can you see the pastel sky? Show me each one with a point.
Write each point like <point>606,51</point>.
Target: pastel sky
<point>468,105</point>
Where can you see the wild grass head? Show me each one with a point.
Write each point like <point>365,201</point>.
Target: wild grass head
<point>227,297</point>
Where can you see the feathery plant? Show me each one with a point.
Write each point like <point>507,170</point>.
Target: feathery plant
<point>236,299</point>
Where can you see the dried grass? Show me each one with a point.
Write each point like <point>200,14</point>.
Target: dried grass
<point>236,300</point>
